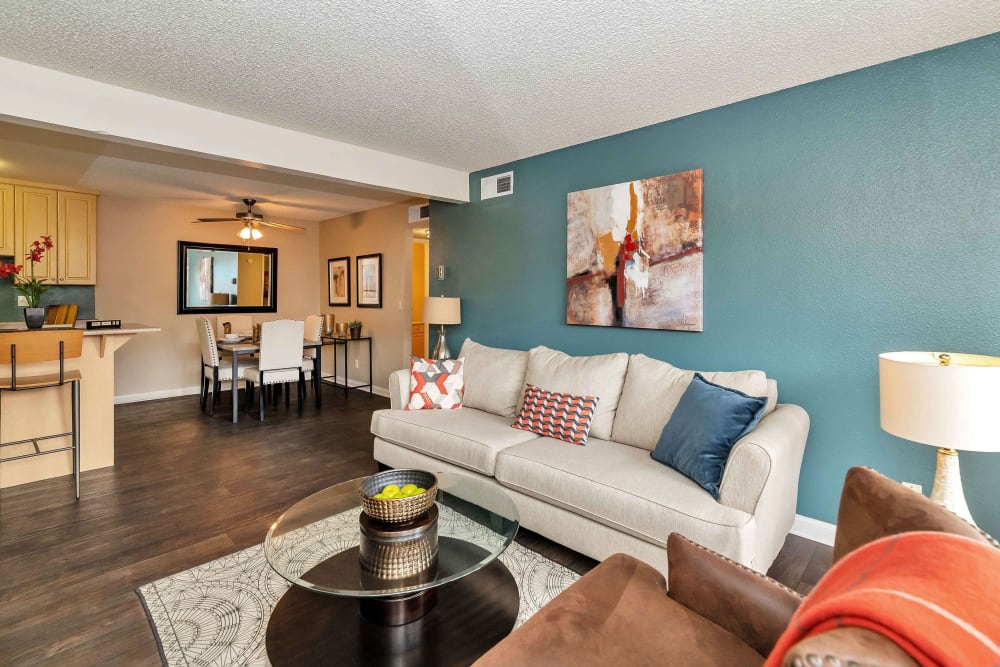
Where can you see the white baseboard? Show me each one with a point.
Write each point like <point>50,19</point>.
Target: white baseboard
<point>814,529</point>
<point>153,395</point>
<point>193,391</point>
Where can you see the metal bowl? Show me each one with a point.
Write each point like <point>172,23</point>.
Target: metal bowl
<point>398,510</point>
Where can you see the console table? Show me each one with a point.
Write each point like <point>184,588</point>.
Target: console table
<point>348,384</point>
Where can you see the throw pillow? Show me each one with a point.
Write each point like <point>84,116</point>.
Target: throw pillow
<point>708,421</point>
<point>554,415</point>
<point>495,378</point>
<point>436,384</point>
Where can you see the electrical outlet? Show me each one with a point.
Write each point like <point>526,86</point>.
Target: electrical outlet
<point>914,487</point>
<point>22,302</point>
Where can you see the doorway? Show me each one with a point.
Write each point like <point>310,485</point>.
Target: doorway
<point>421,289</point>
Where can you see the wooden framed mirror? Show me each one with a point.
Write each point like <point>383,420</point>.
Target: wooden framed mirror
<point>220,278</point>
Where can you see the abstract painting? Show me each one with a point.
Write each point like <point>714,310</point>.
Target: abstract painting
<point>634,254</point>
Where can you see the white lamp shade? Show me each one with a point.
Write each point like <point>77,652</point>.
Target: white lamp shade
<point>955,406</point>
<point>443,310</point>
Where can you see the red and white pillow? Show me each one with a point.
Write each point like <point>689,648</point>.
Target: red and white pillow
<point>436,384</point>
<point>553,415</point>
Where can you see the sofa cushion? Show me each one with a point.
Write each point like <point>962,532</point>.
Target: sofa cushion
<point>494,377</point>
<point>708,421</point>
<point>561,416</point>
<point>468,437</point>
<point>652,390</point>
<point>435,384</point>
<point>601,376</point>
<point>622,487</point>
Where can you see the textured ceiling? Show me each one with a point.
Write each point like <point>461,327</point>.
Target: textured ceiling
<point>474,83</point>
<point>45,156</point>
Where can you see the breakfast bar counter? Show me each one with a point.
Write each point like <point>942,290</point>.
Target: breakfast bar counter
<point>28,414</point>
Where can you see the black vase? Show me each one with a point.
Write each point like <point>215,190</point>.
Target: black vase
<point>34,317</point>
<point>355,332</point>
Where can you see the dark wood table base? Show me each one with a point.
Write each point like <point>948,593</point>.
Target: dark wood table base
<point>471,615</point>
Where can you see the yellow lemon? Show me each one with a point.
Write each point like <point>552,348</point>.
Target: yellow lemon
<point>419,491</point>
<point>409,489</point>
<point>391,491</point>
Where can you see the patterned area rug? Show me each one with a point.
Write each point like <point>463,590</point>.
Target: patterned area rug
<point>217,613</point>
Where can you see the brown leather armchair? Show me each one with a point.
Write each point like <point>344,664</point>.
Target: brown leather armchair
<point>717,612</point>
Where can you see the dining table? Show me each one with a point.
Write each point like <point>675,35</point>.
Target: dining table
<point>246,347</point>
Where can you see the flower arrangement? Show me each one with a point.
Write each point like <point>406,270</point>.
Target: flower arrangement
<point>31,288</point>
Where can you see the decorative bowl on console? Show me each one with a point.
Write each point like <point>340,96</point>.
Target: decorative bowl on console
<point>399,509</point>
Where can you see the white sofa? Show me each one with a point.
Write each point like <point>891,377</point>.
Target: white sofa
<point>608,496</point>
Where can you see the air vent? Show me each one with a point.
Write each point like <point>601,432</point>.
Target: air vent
<point>420,213</point>
<point>496,185</point>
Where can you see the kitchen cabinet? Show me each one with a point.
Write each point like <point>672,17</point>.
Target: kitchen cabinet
<point>70,218</point>
<point>6,219</point>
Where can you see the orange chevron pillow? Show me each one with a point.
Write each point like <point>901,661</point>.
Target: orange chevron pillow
<point>436,384</point>
<point>553,415</point>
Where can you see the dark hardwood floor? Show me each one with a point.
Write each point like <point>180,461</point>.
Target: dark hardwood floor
<point>186,489</point>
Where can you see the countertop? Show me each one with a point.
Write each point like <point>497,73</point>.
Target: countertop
<point>126,328</point>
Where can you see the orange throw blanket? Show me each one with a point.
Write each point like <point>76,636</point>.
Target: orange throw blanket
<point>936,595</point>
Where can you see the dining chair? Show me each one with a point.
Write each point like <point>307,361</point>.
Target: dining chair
<point>239,324</point>
<point>279,361</point>
<point>313,331</point>
<point>214,373</point>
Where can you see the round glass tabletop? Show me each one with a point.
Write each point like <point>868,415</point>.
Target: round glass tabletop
<point>315,543</point>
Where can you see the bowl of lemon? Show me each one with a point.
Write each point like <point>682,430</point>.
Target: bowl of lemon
<point>398,496</point>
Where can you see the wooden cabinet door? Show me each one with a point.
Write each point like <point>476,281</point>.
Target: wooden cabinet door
<point>6,220</point>
<point>76,243</point>
<point>35,216</point>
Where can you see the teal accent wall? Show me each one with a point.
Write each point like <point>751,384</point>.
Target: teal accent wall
<point>847,217</point>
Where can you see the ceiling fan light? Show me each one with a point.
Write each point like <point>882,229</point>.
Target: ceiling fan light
<point>255,233</point>
<point>246,232</point>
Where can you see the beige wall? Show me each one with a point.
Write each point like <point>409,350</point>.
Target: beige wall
<point>387,231</point>
<point>137,282</point>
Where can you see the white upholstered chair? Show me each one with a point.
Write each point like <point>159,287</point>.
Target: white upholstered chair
<point>213,371</point>
<point>313,330</point>
<point>240,324</point>
<point>278,362</point>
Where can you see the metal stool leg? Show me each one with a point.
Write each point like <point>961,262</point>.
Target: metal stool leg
<point>76,435</point>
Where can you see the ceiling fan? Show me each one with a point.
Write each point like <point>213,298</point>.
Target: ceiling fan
<point>251,221</point>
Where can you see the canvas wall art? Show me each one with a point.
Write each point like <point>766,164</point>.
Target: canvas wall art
<point>634,254</point>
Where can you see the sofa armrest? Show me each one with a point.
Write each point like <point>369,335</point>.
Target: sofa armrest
<point>748,604</point>
<point>399,389</point>
<point>762,478</point>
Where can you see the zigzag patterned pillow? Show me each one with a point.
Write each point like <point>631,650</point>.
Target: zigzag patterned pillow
<point>554,415</point>
<point>436,384</point>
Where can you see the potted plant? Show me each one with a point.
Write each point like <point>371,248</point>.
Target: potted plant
<point>31,288</point>
<point>354,326</point>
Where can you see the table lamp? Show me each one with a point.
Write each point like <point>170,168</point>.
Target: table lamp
<point>948,401</point>
<point>442,310</point>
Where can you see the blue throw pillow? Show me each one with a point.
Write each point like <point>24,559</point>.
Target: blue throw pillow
<point>708,421</point>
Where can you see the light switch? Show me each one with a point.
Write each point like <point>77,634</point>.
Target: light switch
<point>22,302</point>
<point>439,272</point>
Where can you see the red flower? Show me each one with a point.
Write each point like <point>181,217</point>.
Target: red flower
<point>48,241</point>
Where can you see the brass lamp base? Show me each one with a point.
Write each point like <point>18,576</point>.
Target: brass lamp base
<point>947,490</point>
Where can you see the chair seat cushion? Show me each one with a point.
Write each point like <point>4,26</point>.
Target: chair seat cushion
<point>276,376</point>
<point>622,487</point>
<point>226,369</point>
<point>619,614</point>
<point>468,437</point>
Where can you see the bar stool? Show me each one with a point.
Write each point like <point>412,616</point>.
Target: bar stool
<point>29,347</point>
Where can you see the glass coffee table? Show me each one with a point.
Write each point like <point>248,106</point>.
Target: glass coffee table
<point>431,591</point>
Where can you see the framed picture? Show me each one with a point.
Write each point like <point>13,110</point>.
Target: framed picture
<point>369,276</point>
<point>339,280</point>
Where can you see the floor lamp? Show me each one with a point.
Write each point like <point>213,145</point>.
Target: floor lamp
<point>442,310</point>
<point>948,401</point>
